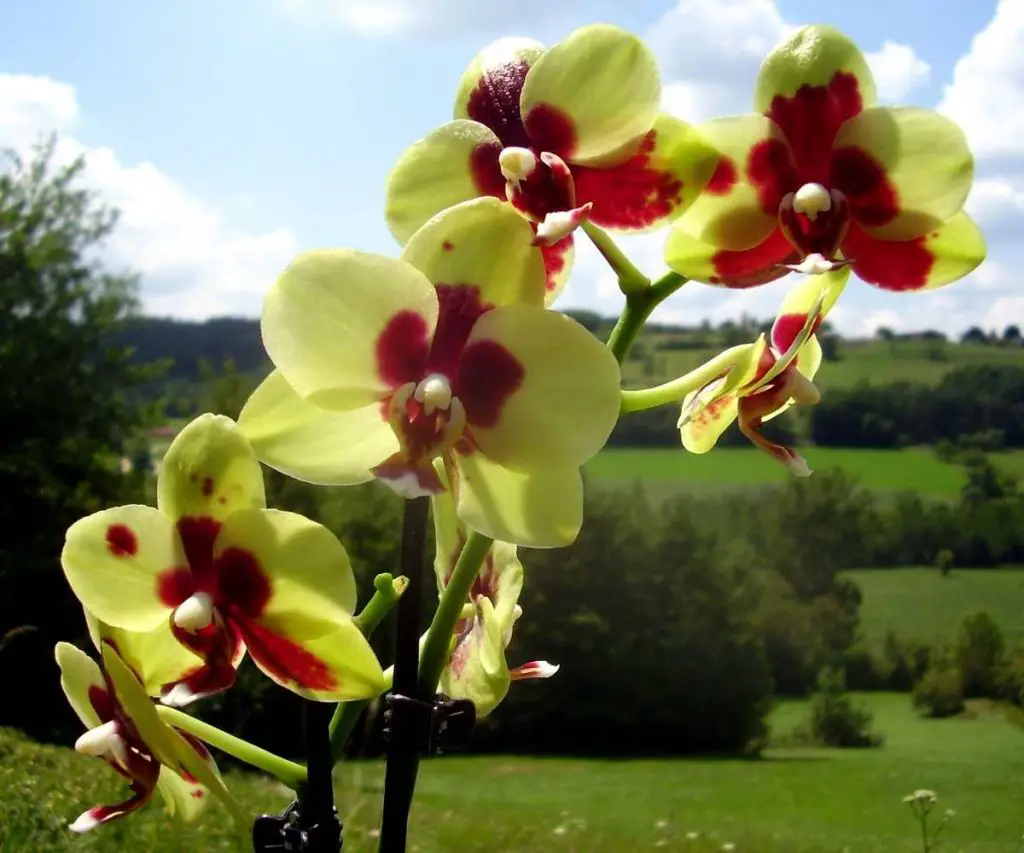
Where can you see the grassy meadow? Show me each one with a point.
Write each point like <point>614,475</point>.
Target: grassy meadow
<point>664,471</point>
<point>790,801</point>
<point>926,362</point>
<point>920,604</point>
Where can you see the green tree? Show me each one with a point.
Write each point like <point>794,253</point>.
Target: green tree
<point>65,392</point>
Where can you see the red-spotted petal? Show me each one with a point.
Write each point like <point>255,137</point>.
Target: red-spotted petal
<point>809,85</point>
<point>558,259</point>
<point>592,94</point>
<point>455,163</point>
<point>904,170</point>
<point>346,328</point>
<point>822,291</point>
<point>739,206</point>
<point>739,269</point>
<point>654,186</point>
<point>490,88</point>
<point>936,259</point>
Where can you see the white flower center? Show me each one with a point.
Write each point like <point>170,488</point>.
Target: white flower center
<point>434,392</point>
<point>517,164</point>
<point>194,613</point>
<point>102,741</point>
<point>812,199</point>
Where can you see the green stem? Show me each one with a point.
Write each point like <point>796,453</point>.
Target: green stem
<point>291,774</point>
<point>388,591</point>
<point>671,392</point>
<point>639,305</point>
<point>435,648</point>
<point>631,280</point>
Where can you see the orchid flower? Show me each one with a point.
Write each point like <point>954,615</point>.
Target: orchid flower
<point>385,365</point>
<point>477,669</point>
<point>225,575</point>
<point>125,731</point>
<point>823,178</point>
<point>564,134</point>
<point>767,378</point>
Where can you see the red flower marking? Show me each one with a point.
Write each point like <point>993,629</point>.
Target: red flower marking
<point>121,541</point>
<point>242,585</point>
<point>488,375</point>
<point>771,172</point>
<point>397,467</point>
<point>787,328</point>
<point>207,486</point>
<point>823,234</point>
<point>712,411</point>
<point>173,586</point>
<point>724,177</point>
<point>198,534</point>
<point>889,264</point>
<point>102,703</point>
<point>402,349</point>
<point>549,189</point>
<point>286,660</point>
<point>495,102</point>
<point>486,171</point>
<point>221,650</point>
<point>873,198</point>
<point>754,266</point>
<point>555,256</point>
<point>447,245</point>
<point>551,130</point>
<point>633,195</point>
<point>459,307</point>
<point>811,118</point>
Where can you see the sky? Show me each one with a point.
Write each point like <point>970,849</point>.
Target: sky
<point>233,134</point>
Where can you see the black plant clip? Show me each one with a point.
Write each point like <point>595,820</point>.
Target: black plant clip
<point>428,727</point>
<point>287,833</point>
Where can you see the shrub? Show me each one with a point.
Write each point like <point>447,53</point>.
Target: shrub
<point>864,669</point>
<point>906,662</point>
<point>979,654</point>
<point>940,693</point>
<point>944,561</point>
<point>1010,679</point>
<point>835,720</point>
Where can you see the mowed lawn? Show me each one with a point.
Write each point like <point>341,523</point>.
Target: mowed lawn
<point>791,801</point>
<point>726,468</point>
<point>921,604</point>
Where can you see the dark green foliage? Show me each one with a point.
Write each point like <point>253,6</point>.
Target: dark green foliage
<point>835,720</point>
<point>1010,678</point>
<point>979,654</point>
<point>940,692</point>
<point>67,418</point>
<point>944,561</point>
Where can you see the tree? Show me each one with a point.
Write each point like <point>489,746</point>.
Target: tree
<point>974,335</point>
<point>1011,335</point>
<point>65,393</point>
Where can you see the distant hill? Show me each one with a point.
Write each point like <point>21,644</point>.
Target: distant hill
<point>662,352</point>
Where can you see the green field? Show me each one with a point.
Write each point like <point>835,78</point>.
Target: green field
<point>920,604</point>
<point>872,361</point>
<point>665,470</point>
<point>792,801</point>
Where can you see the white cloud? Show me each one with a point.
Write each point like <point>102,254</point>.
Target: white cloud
<point>986,96</point>
<point>389,18</point>
<point>898,70</point>
<point>193,262</point>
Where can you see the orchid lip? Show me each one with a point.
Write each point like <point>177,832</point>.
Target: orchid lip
<point>102,741</point>
<point>812,199</point>
<point>194,613</point>
<point>517,164</point>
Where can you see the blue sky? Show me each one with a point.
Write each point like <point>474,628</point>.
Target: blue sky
<point>276,121</point>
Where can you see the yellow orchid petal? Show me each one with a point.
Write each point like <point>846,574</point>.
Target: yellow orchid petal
<point>558,395</point>
<point>209,470</point>
<point>312,444</point>
<point>114,560</point>
<point>345,328</point>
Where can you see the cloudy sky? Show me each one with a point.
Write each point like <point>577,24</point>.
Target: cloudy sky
<point>234,133</point>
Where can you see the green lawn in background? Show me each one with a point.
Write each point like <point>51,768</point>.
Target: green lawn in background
<point>725,468</point>
<point>791,801</point>
<point>921,604</point>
